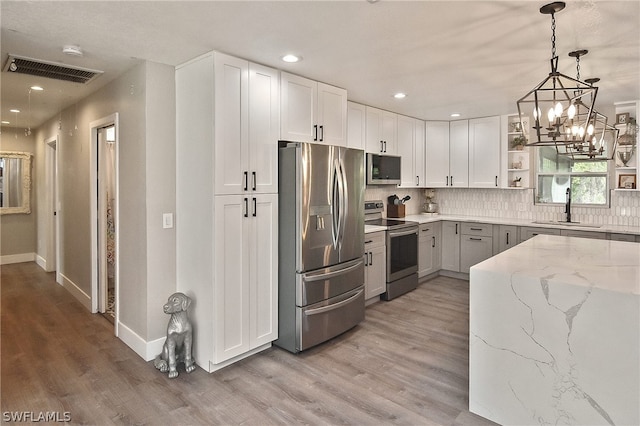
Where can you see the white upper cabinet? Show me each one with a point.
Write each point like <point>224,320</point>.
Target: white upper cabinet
<point>459,154</point>
<point>356,127</point>
<point>381,131</point>
<point>410,142</point>
<point>484,152</point>
<point>247,128</point>
<point>312,111</point>
<point>437,154</point>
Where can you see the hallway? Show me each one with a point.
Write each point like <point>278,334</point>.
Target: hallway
<point>405,364</point>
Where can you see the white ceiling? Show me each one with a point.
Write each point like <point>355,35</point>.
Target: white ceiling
<point>472,57</point>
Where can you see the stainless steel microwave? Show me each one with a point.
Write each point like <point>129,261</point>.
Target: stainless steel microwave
<point>383,169</point>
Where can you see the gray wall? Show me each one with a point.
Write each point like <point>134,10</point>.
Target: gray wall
<point>144,98</point>
<point>18,231</point>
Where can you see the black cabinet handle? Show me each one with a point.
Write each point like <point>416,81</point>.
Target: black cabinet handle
<point>381,146</point>
<point>417,180</point>
<point>475,239</point>
<point>433,241</point>
<point>451,180</point>
<point>255,207</point>
<point>370,258</point>
<point>315,132</point>
<point>496,180</point>
<point>321,133</point>
<point>456,229</point>
<point>246,180</point>
<point>507,238</point>
<point>253,177</point>
<point>476,229</point>
<point>246,207</point>
<point>366,259</point>
<point>385,146</point>
<point>447,181</point>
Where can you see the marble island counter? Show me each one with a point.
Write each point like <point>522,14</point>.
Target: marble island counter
<point>555,333</point>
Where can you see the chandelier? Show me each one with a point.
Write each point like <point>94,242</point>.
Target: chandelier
<point>599,139</point>
<point>558,97</point>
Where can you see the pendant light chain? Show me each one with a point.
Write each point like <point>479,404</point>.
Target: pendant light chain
<point>553,35</point>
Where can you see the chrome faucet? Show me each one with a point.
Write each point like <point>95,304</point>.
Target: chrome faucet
<point>567,206</point>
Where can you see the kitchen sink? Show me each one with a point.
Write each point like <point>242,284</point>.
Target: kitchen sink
<point>561,222</point>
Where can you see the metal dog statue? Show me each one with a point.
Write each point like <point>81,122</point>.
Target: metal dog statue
<point>177,347</point>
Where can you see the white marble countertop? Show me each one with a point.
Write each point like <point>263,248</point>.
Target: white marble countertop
<point>604,264</point>
<point>554,330</point>
<point>430,217</point>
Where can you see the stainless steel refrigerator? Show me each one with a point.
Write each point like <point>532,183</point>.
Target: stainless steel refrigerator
<point>321,243</point>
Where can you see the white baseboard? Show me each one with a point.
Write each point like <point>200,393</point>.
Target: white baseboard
<point>17,258</point>
<point>41,262</point>
<point>76,292</point>
<point>146,350</point>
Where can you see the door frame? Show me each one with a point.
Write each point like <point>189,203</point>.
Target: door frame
<point>94,126</point>
<point>52,209</point>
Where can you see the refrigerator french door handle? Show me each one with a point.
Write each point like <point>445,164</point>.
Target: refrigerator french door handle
<point>323,309</point>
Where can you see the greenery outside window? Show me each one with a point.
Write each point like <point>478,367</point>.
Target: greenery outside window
<point>588,180</point>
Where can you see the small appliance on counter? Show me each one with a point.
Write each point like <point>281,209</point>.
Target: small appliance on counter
<point>430,206</point>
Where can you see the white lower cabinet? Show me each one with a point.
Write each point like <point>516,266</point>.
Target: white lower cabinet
<point>476,244</point>
<point>429,251</point>
<point>375,261</point>
<point>451,246</point>
<point>245,309</point>
<point>504,237</point>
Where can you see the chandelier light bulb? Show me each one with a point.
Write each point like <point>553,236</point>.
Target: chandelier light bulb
<point>551,115</point>
<point>558,110</point>
<point>590,129</point>
<point>571,112</point>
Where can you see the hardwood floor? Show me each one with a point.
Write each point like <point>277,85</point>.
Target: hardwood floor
<point>407,363</point>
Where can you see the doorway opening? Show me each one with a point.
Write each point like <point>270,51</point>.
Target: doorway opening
<point>104,195</point>
<point>52,249</point>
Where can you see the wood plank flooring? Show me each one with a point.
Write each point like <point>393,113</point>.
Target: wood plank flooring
<point>407,363</point>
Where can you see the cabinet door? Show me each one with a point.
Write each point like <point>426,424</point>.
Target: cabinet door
<point>451,246</point>
<point>231,142</point>
<point>375,272</point>
<point>484,152</point>
<point>264,128</point>
<point>419,147</point>
<point>389,132</point>
<point>406,150</point>
<point>231,277</point>
<point>437,154</point>
<point>356,128</point>
<point>373,133</point>
<point>473,250</point>
<point>426,250</point>
<point>263,255</point>
<point>506,237</point>
<point>298,100</point>
<point>459,154</point>
<point>332,115</point>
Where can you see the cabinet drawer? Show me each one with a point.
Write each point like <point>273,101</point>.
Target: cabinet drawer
<point>427,230</point>
<point>528,232</point>
<point>480,229</point>
<point>374,239</point>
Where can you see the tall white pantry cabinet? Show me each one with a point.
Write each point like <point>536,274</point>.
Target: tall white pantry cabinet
<point>227,129</point>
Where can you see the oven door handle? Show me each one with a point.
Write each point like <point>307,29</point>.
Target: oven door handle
<point>402,233</point>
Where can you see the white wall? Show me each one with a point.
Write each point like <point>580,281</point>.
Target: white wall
<point>144,98</point>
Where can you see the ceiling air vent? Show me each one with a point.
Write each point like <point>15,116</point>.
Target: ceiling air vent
<point>56,71</point>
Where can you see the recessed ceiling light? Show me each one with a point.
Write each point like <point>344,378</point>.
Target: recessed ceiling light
<point>455,114</point>
<point>14,110</point>
<point>72,50</point>
<point>36,88</point>
<point>400,95</point>
<point>291,58</point>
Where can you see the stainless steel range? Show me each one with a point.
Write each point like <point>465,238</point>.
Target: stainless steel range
<point>402,250</point>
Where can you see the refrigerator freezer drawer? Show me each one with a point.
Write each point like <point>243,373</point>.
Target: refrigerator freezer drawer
<point>325,283</point>
<point>325,320</point>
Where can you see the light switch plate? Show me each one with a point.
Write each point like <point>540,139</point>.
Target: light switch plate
<point>167,220</point>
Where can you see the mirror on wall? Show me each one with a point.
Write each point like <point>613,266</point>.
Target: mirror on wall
<point>15,182</point>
